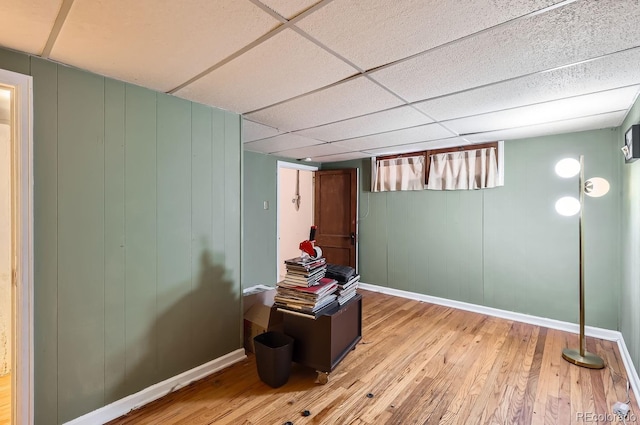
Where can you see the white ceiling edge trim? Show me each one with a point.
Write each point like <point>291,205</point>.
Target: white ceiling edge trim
<point>635,100</point>
<point>361,154</point>
<point>295,166</point>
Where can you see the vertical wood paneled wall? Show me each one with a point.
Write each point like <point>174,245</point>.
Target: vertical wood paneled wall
<point>630,229</point>
<point>137,237</point>
<point>505,247</point>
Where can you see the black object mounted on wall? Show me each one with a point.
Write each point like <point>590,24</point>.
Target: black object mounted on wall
<point>631,148</point>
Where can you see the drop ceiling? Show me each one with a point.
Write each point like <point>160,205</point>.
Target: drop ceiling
<point>344,79</point>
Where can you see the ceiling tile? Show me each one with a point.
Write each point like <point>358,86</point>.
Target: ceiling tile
<point>342,157</point>
<point>562,36</point>
<point>313,151</point>
<point>597,75</point>
<point>612,119</point>
<point>157,46</point>
<point>569,108</point>
<point>289,9</point>
<point>255,131</point>
<point>280,143</point>
<point>25,24</point>
<point>352,98</point>
<point>417,147</point>
<point>282,67</point>
<point>421,133</point>
<point>378,122</point>
<point>375,32</point>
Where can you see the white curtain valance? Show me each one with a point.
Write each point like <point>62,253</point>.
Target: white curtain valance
<point>463,170</point>
<point>399,174</point>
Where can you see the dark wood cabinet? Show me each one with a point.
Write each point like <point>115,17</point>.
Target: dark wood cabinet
<point>322,343</point>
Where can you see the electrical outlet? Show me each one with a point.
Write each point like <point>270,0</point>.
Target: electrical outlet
<point>621,409</point>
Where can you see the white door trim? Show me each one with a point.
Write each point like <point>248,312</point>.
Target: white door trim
<point>22,201</point>
<point>292,165</point>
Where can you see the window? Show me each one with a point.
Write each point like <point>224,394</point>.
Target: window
<point>457,168</point>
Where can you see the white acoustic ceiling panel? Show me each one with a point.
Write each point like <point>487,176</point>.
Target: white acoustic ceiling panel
<point>602,74</point>
<point>557,110</point>
<point>280,143</point>
<point>159,46</point>
<point>559,37</point>
<point>375,32</point>
<point>255,131</point>
<point>352,98</point>
<point>421,133</point>
<point>417,147</point>
<point>608,120</point>
<point>282,67</point>
<point>25,25</point>
<point>342,157</point>
<point>377,122</point>
<point>313,151</point>
<point>287,8</point>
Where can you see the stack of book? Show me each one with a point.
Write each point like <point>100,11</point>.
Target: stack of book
<point>347,279</point>
<point>305,290</point>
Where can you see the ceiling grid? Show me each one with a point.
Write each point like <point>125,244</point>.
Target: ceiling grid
<point>337,79</point>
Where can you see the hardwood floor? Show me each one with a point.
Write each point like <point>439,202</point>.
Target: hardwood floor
<point>420,363</point>
<point>5,400</point>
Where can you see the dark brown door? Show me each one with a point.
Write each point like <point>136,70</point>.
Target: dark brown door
<point>335,215</point>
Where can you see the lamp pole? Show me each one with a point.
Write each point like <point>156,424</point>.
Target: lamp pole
<point>582,357</point>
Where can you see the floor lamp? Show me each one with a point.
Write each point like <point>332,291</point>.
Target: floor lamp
<point>568,206</point>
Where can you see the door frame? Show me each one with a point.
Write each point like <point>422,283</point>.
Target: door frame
<point>22,244</point>
<point>357,211</point>
<point>294,166</point>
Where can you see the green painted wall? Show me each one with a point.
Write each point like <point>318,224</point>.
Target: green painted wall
<point>505,247</point>
<point>259,225</point>
<point>137,237</point>
<point>630,231</point>
<point>259,229</point>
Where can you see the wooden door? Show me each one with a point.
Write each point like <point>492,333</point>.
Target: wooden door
<point>336,214</point>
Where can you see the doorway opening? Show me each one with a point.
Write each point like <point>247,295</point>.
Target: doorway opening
<point>16,249</point>
<point>6,248</point>
<point>295,194</point>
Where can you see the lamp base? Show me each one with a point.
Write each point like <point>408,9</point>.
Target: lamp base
<point>588,360</point>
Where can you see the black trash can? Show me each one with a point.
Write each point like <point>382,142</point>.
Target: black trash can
<point>273,357</point>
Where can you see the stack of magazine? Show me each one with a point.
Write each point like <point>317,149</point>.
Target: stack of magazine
<point>347,279</point>
<point>347,290</point>
<point>304,271</point>
<point>305,291</point>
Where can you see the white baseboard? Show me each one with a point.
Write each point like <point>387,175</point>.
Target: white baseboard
<point>154,392</point>
<point>632,374</point>
<point>591,331</point>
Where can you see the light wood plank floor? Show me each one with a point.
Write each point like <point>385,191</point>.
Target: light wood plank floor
<point>5,399</point>
<point>422,363</point>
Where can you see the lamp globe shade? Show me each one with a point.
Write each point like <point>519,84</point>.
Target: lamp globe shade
<point>568,206</point>
<point>568,167</point>
<point>596,187</point>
